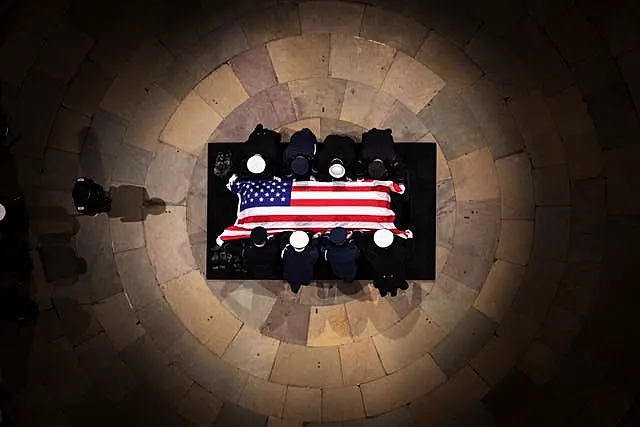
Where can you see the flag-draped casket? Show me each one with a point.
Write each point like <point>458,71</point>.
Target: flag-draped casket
<point>279,205</point>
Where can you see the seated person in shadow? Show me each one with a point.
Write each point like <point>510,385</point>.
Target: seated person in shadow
<point>132,203</point>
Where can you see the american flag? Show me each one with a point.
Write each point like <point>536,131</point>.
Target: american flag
<point>312,206</point>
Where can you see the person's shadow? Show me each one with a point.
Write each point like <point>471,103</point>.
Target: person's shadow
<point>131,203</point>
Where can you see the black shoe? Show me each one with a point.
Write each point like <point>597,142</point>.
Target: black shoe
<point>383,294</point>
<point>394,292</point>
<point>404,286</point>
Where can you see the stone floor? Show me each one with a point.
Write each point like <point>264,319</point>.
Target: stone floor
<point>534,110</point>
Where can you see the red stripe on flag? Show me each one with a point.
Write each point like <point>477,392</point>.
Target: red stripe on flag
<point>339,202</point>
<point>338,218</point>
<point>339,189</point>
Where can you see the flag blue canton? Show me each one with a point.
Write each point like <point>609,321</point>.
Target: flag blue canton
<point>255,194</point>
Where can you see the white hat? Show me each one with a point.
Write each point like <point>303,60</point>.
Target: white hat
<point>383,238</point>
<point>3,212</point>
<point>256,164</point>
<point>299,240</point>
<point>336,170</point>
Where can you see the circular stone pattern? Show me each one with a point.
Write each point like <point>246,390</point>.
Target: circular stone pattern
<point>227,350</point>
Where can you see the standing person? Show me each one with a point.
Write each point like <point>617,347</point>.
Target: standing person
<point>262,254</point>
<point>90,198</point>
<point>389,258</point>
<point>336,160</point>
<point>297,157</point>
<point>299,257</point>
<point>260,154</point>
<point>341,253</point>
<point>379,157</point>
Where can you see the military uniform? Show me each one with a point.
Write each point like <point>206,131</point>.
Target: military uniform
<point>301,149</point>
<point>266,143</point>
<point>389,264</point>
<point>337,147</point>
<point>341,258</point>
<point>262,261</point>
<point>298,267</point>
<point>378,144</point>
<point>90,198</point>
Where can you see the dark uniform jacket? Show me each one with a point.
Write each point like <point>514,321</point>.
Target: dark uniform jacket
<point>378,144</point>
<point>335,147</point>
<point>265,142</point>
<point>342,259</point>
<point>298,266</point>
<point>262,262</point>
<point>303,143</point>
<point>389,264</point>
<point>98,201</point>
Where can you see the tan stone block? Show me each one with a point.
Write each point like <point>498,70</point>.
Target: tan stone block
<point>551,186</point>
<point>18,52</point>
<point>300,57</point>
<point>393,29</point>
<point>317,97</point>
<point>442,254</point>
<point>545,148</point>
<point>623,179</point>
<point>130,87</point>
<point>150,119</point>
<point>168,244</point>
<point>411,83</point>
<point>222,90</point>
<point>119,321</point>
<point>289,129</point>
<point>263,397</point>
<point>407,340</point>
<point>342,403</point>
<point>330,17</point>
<point>499,289</point>
<point>87,88</point>
<point>516,186</point>
<point>275,22</point>
<point>303,404</point>
<point>328,325</point>
<point>200,406</point>
<point>357,59</point>
<point>474,176</point>
<point>570,113</point>
<point>401,387</point>
<point>539,362</point>
<point>516,238</point>
<point>450,400</point>
<point>365,106</point>
<point>584,156</point>
<point>252,352</point>
<point>63,52</point>
<point>447,302</point>
<point>69,131</point>
<point>532,114</point>
<point>495,360</point>
<point>281,422</point>
<point>191,125</point>
<point>360,362</point>
<point>370,317</point>
<point>442,166</point>
<point>307,366</point>
<point>448,61</point>
<point>201,312</point>
<point>428,138</point>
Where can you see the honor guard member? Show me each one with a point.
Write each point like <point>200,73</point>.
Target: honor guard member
<point>90,198</point>
<point>299,258</point>
<point>262,254</point>
<point>260,154</point>
<point>389,258</point>
<point>379,157</point>
<point>341,253</point>
<point>336,159</point>
<point>298,155</point>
